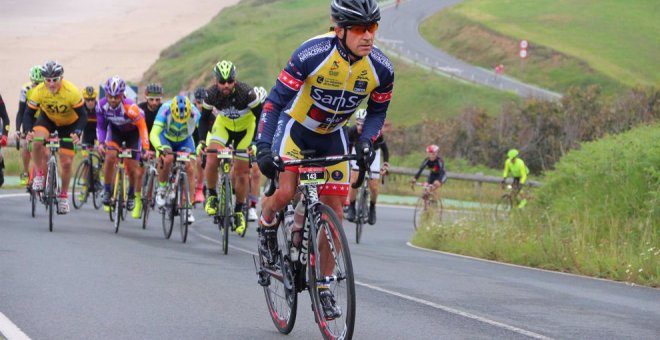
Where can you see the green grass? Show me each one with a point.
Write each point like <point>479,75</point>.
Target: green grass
<point>609,42</point>
<point>597,214</point>
<point>259,37</point>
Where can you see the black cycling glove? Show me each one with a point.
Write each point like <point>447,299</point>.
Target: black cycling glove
<point>364,149</point>
<point>266,161</point>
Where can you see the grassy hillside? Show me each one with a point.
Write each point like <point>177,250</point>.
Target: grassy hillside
<point>259,37</point>
<point>610,42</point>
<point>598,214</point>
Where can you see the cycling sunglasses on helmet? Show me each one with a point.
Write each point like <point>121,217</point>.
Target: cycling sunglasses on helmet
<point>372,27</point>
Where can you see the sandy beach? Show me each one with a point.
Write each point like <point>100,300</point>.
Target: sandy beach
<point>92,39</point>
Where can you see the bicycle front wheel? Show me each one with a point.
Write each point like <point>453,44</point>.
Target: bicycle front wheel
<point>503,207</point>
<point>119,201</point>
<point>147,198</point>
<point>168,215</point>
<point>51,192</point>
<point>33,201</point>
<point>80,188</point>
<point>227,211</point>
<point>329,267</point>
<point>184,206</point>
<point>281,294</point>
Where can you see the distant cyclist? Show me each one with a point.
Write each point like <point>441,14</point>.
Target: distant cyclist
<point>62,110</point>
<point>119,120</point>
<point>172,132</point>
<point>90,94</point>
<point>374,183</point>
<point>153,94</point>
<point>519,171</point>
<point>4,129</point>
<point>436,165</point>
<point>26,92</point>
<point>238,107</point>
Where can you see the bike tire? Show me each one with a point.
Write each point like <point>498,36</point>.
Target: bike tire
<point>341,282</point>
<point>98,186</point>
<point>147,196</point>
<point>80,191</point>
<point>281,294</point>
<point>503,207</point>
<point>228,215</point>
<point>361,213</point>
<point>184,206</point>
<point>33,202</point>
<point>119,201</point>
<point>168,215</point>
<point>51,189</point>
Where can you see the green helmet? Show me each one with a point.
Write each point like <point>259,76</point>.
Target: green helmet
<point>35,74</point>
<point>225,70</point>
<point>512,153</point>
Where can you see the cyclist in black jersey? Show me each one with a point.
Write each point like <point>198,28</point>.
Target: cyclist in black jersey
<point>436,165</point>
<point>153,94</point>
<point>376,170</point>
<point>4,124</point>
<point>90,93</point>
<point>198,96</point>
<point>237,107</point>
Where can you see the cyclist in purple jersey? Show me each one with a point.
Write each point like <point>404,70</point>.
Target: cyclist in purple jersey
<point>120,120</point>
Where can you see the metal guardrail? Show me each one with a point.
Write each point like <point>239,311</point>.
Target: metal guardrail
<point>479,178</point>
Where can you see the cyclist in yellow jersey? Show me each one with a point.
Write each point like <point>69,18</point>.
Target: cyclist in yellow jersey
<point>25,94</point>
<point>519,171</point>
<point>237,107</point>
<point>62,110</point>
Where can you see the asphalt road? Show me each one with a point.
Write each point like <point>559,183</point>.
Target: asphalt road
<point>399,34</point>
<point>82,281</point>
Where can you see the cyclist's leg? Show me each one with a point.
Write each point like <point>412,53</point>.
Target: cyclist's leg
<point>66,155</point>
<point>133,170</point>
<point>43,127</point>
<point>216,139</point>
<point>241,174</point>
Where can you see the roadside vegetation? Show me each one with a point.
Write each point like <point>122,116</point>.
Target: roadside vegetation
<point>572,43</point>
<point>597,214</point>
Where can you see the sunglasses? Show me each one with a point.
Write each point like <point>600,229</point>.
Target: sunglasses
<point>52,80</point>
<point>228,81</point>
<point>90,99</point>
<point>362,29</point>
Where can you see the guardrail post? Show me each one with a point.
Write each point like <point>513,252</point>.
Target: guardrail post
<point>477,186</point>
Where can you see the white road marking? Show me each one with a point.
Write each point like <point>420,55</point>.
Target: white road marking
<point>10,330</point>
<point>414,299</point>
<point>13,195</point>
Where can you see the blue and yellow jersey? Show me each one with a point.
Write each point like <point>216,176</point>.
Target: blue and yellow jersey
<point>58,107</point>
<point>321,89</point>
<point>176,132</point>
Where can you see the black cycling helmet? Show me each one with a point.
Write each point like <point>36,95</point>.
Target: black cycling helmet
<point>354,12</point>
<point>200,93</point>
<point>52,69</point>
<point>153,90</point>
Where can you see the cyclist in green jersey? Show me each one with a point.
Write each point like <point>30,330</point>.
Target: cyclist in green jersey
<point>519,171</point>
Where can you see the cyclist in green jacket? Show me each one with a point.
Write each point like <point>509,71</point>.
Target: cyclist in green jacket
<point>518,171</point>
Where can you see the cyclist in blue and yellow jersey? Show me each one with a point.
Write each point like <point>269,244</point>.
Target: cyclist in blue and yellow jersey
<point>26,92</point>
<point>90,94</point>
<point>237,107</point>
<point>199,96</point>
<point>172,131</point>
<point>62,110</point>
<point>324,82</point>
<point>4,130</point>
<point>519,172</point>
<point>119,120</point>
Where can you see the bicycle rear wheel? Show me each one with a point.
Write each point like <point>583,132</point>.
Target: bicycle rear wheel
<point>33,201</point>
<point>168,214</point>
<point>184,206</point>
<point>281,294</point>
<point>80,187</point>
<point>361,213</point>
<point>340,282</point>
<point>98,186</point>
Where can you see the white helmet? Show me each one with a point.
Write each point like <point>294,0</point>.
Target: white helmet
<point>261,93</point>
<point>360,115</point>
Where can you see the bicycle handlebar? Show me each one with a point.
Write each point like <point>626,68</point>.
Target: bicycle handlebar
<point>273,183</point>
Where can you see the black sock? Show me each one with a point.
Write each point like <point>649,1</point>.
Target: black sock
<point>213,192</point>
<point>352,203</point>
<point>372,205</point>
<point>238,207</point>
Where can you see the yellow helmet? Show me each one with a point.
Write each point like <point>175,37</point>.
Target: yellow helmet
<point>181,109</point>
<point>90,92</point>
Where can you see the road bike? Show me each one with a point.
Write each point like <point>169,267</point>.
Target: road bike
<point>177,197</point>
<point>87,179</point>
<point>225,216</point>
<point>149,185</point>
<point>299,262</point>
<point>428,208</point>
<point>118,211</point>
<point>49,196</point>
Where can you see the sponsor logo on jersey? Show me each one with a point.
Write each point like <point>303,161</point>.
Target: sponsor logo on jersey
<point>360,86</point>
<point>320,79</point>
<point>363,76</point>
<point>337,175</point>
<point>334,100</point>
